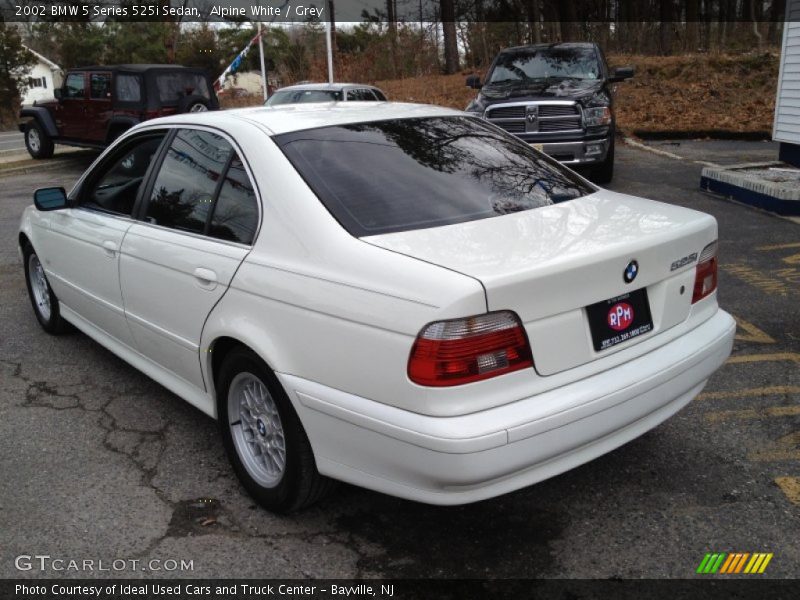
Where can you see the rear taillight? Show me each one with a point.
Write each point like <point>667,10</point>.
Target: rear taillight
<point>465,350</point>
<point>705,279</point>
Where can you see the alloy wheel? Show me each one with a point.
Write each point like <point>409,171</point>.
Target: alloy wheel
<point>39,286</point>
<point>256,429</point>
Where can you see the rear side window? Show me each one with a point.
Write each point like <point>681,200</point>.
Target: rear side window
<point>405,174</point>
<point>129,88</point>
<point>186,185</point>
<point>202,187</point>
<point>100,85</point>
<point>361,95</point>
<point>235,215</point>
<point>174,86</point>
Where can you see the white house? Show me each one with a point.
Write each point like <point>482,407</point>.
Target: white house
<point>786,127</point>
<point>250,81</point>
<point>43,78</point>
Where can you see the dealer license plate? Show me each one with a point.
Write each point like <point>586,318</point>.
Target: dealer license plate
<point>619,319</point>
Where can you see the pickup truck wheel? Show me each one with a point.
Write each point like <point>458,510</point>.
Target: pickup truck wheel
<point>38,143</point>
<point>44,301</point>
<point>604,172</point>
<point>263,436</point>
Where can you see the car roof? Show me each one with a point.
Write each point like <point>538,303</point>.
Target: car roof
<point>136,67</point>
<point>326,86</point>
<point>286,118</point>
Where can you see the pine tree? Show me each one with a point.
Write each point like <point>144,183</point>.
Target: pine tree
<point>15,64</point>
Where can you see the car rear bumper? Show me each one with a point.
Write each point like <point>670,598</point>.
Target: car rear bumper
<point>457,460</point>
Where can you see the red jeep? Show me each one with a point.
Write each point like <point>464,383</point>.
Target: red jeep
<point>96,104</point>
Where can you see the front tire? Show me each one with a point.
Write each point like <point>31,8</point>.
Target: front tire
<point>38,143</point>
<point>44,301</point>
<point>263,437</point>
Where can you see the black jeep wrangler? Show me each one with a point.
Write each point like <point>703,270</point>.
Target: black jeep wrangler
<point>97,104</point>
<point>558,98</point>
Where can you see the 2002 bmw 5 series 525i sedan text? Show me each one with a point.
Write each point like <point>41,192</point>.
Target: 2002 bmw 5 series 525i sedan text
<point>403,297</point>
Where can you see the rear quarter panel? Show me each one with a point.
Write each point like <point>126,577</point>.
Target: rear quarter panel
<point>317,303</point>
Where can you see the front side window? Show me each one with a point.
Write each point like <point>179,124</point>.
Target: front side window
<point>405,174</point>
<point>115,185</point>
<point>186,184</point>
<point>73,86</point>
<point>100,85</point>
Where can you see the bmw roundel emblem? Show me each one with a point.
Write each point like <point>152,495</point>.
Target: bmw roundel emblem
<point>631,271</point>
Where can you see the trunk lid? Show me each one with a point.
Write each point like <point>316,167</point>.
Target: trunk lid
<point>548,264</point>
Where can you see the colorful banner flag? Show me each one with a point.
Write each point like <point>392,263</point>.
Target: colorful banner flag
<point>237,62</point>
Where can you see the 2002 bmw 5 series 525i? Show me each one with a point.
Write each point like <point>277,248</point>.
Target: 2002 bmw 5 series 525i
<point>402,297</point>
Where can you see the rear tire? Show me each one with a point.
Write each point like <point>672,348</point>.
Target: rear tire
<point>38,143</point>
<point>44,301</point>
<point>263,437</point>
<point>195,103</point>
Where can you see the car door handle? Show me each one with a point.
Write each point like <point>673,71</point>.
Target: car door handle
<point>110,248</point>
<point>205,276</point>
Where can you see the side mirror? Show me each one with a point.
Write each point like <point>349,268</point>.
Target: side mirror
<point>57,93</point>
<point>621,74</point>
<point>474,82</point>
<point>52,198</point>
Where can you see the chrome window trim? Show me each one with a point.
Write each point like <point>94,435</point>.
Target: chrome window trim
<point>210,129</point>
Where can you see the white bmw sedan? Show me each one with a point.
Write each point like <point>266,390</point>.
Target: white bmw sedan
<point>402,297</point>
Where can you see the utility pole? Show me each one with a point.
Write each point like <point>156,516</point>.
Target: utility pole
<point>329,48</point>
<point>264,84</point>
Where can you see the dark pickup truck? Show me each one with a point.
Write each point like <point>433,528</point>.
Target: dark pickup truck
<point>557,97</point>
<point>95,105</point>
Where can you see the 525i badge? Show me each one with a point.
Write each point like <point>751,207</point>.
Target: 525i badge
<point>681,262</point>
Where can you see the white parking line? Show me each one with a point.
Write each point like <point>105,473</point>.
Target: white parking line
<point>671,155</point>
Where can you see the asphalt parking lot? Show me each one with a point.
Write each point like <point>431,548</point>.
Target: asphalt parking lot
<point>11,142</point>
<point>99,462</point>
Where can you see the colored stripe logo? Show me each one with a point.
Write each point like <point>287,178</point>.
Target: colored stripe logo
<point>734,563</point>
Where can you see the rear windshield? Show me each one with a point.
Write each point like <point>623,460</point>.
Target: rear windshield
<point>399,175</point>
<point>303,96</point>
<point>174,86</point>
